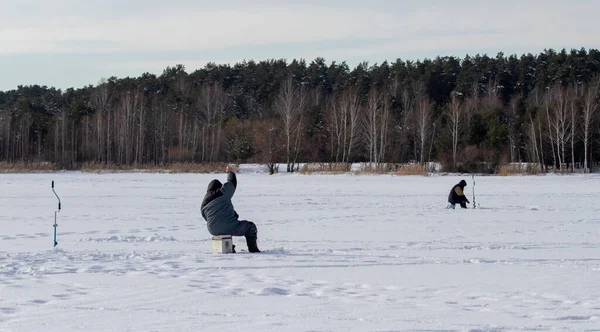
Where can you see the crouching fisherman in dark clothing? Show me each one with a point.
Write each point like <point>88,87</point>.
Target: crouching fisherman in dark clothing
<point>457,195</point>
<point>220,216</point>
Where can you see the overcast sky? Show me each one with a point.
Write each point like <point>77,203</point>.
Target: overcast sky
<point>72,43</point>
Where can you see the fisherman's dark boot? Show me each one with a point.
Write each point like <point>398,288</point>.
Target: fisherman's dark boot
<point>252,246</point>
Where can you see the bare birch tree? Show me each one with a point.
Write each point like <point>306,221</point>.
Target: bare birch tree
<point>547,105</point>
<point>406,125</point>
<point>212,103</point>
<point>141,119</point>
<point>533,152</point>
<point>560,122</point>
<point>161,125</point>
<point>423,120</point>
<point>574,108</point>
<point>345,110</point>
<point>290,104</point>
<point>472,103</point>
<point>424,125</point>
<point>100,100</point>
<point>536,100</point>
<point>124,111</point>
<point>181,86</point>
<point>513,118</point>
<point>353,104</point>
<point>590,107</point>
<point>455,119</point>
<point>376,124</point>
<point>384,123</point>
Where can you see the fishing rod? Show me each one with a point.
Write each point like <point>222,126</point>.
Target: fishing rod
<point>55,223</point>
<point>474,204</point>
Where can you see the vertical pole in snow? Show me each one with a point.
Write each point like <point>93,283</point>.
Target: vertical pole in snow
<point>55,224</point>
<point>473,177</point>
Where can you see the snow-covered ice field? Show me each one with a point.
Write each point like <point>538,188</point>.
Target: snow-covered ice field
<point>342,253</point>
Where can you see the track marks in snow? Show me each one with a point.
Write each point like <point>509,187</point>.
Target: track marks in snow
<point>256,285</point>
<point>131,239</point>
<point>575,318</point>
<point>176,264</point>
<point>25,237</point>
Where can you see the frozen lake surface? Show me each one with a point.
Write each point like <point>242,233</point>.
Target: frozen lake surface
<point>342,252</point>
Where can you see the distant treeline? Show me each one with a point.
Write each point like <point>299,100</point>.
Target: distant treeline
<point>464,113</point>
